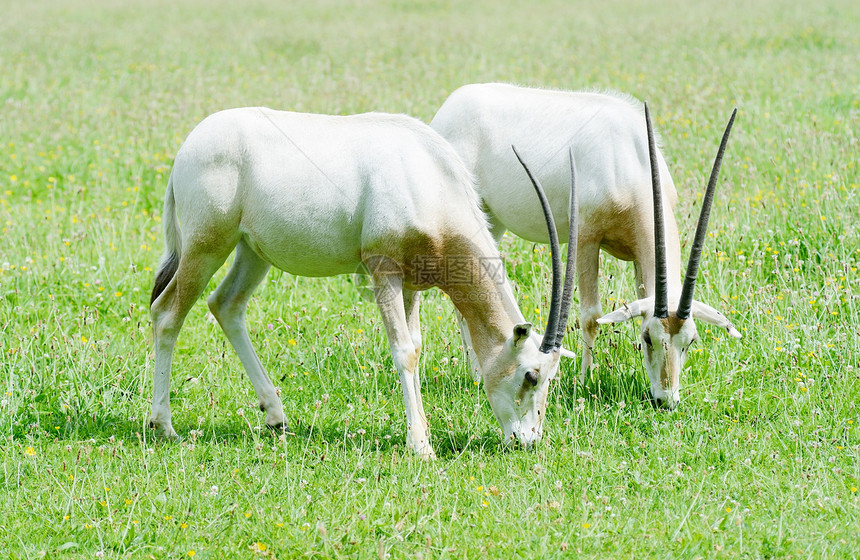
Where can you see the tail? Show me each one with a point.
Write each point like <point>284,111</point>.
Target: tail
<point>173,246</point>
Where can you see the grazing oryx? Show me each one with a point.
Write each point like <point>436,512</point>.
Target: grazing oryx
<point>617,204</point>
<point>319,195</point>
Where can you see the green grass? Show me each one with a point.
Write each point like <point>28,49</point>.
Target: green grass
<point>760,460</point>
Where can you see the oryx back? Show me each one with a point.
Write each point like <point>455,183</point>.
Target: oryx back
<point>481,121</point>
<point>311,194</point>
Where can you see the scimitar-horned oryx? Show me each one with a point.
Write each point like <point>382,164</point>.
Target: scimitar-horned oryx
<point>617,204</point>
<point>318,195</point>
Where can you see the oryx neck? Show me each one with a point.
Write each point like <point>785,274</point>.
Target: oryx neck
<point>487,313</point>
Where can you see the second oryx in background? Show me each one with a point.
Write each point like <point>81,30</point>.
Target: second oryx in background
<point>618,199</point>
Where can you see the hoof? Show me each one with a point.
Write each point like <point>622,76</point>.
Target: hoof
<point>275,417</point>
<point>424,452</point>
<point>164,432</point>
<point>428,455</point>
<point>280,428</point>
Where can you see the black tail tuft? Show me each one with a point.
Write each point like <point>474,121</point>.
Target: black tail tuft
<point>165,274</point>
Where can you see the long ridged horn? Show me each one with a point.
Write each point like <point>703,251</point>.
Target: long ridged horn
<point>661,306</point>
<point>686,301</point>
<point>548,342</point>
<point>573,226</point>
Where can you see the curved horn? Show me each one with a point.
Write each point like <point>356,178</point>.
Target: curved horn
<point>573,226</point>
<point>549,335</point>
<point>686,301</point>
<point>661,309</point>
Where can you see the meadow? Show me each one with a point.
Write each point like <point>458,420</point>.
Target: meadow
<point>759,461</point>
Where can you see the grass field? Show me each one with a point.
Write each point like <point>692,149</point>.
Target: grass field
<point>759,461</point>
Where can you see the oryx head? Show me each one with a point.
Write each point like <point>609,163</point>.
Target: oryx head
<point>518,389</point>
<point>667,336</point>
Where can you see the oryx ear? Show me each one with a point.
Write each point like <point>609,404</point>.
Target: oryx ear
<point>522,331</point>
<point>638,308</point>
<point>708,314</point>
<point>565,353</point>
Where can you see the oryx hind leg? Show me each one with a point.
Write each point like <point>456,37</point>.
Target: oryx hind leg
<point>228,304</point>
<point>391,299</point>
<point>168,313</point>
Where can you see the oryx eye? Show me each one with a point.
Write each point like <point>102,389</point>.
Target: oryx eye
<point>531,378</point>
<point>647,338</point>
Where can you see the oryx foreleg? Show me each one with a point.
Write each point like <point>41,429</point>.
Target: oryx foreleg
<point>399,309</point>
<point>467,346</point>
<point>587,267</point>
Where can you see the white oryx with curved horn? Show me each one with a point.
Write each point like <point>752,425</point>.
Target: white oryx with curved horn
<point>318,195</point>
<point>605,134</point>
<point>667,336</point>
